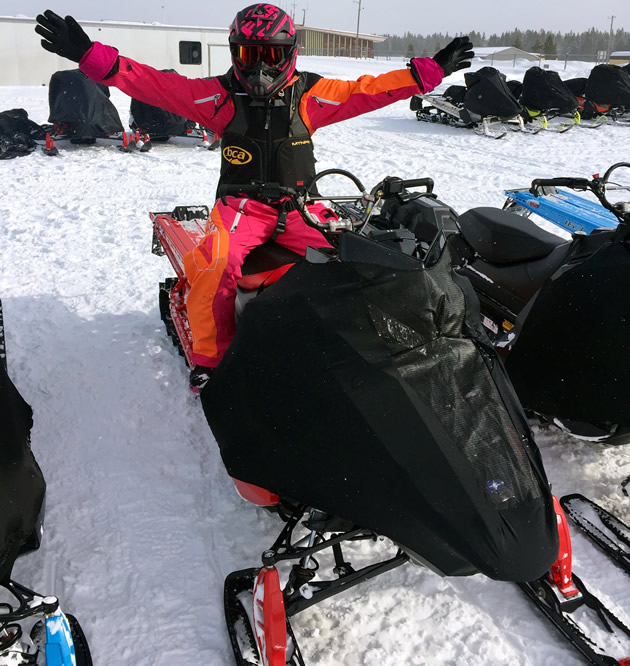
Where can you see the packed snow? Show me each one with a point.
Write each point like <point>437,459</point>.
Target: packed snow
<point>142,521</point>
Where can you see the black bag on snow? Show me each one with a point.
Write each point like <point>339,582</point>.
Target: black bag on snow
<point>544,90</point>
<point>157,122</point>
<point>488,94</point>
<point>18,134</point>
<point>609,84</point>
<point>80,107</point>
<point>22,486</point>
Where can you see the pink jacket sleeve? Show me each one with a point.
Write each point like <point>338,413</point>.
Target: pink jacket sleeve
<point>203,100</point>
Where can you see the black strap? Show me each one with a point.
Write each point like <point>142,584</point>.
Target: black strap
<point>282,221</point>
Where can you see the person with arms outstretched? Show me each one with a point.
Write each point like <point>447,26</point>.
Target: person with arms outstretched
<point>265,112</point>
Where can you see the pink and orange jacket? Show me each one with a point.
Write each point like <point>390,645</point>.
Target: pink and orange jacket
<point>207,102</point>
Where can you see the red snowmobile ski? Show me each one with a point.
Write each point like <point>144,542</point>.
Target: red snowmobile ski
<point>424,442</point>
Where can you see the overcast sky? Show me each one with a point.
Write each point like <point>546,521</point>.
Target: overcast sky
<point>393,17</point>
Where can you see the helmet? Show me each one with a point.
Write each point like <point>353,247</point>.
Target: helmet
<point>263,48</point>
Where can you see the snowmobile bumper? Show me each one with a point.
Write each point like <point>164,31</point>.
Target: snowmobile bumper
<point>567,210</point>
<point>34,624</point>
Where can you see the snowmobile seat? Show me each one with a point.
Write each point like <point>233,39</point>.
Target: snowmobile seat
<point>501,237</point>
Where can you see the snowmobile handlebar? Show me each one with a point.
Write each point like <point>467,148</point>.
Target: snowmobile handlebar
<point>598,185</point>
<point>573,183</point>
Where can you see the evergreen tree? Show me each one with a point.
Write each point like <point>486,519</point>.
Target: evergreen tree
<point>410,51</point>
<point>549,47</point>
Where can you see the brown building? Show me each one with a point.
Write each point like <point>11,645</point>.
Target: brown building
<point>322,42</point>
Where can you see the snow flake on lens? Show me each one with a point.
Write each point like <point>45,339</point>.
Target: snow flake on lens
<point>495,486</point>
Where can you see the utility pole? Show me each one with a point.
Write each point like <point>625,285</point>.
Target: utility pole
<point>356,50</point>
<point>610,36</point>
<point>293,10</point>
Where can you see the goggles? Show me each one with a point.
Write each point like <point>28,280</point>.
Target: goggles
<point>270,55</point>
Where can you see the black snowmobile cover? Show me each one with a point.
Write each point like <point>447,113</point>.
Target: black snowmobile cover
<point>577,85</point>
<point>544,90</point>
<point>82,105</point>
<point>515,87</point>
<point>609,84</point>
<point>22,485</point>
<point>18,134</point>
<point>365,392</point>
<point>455,94</point>
<point>575,335</point>
<point>488,94</point>
<point>157,122</point>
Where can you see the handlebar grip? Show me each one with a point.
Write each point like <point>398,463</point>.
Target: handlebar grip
<point>573,183</point>
<point>419,182</point>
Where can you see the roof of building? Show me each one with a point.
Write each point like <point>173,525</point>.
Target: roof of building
<point>343,33</point>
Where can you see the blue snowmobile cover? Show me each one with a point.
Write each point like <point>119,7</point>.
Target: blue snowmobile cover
<point>370,392</point>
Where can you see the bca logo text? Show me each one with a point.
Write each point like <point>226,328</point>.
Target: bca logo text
<point>236,155</point>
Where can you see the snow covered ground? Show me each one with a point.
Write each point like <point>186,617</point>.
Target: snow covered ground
<point>143,524</point>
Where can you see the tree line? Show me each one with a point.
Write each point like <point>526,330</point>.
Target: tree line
<point>582,45</point>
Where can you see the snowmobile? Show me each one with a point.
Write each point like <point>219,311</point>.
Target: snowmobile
<point>556,306</point>
<point>80,109</point>
<point>423,443</point>
<point>33,628</point>
<point>608,90</point>
<point>546,97</point>
<point>154,124</point>
<point>484,104</point>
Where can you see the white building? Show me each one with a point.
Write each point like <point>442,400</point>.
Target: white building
<point>191,51</point>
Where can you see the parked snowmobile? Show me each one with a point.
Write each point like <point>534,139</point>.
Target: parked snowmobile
<point>544,97</point>
<point>484,104</point>
<point>80,109</point>
<point>33,628</point>
<point>423,441</point>
<point>608,89</point>
<point>160,125</point>
<point>557,307</point>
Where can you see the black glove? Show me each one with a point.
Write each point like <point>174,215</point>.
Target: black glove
<point>456,55</point>
<point>65,37</point>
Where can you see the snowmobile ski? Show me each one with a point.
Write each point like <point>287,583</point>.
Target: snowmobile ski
<point>239,603</point>
<point>610,533</point>
<point>558,610</point>
<point>578,614</point>
<point>32,626</point>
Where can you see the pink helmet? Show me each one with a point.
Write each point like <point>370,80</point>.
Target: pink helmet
<point>263,48</point>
